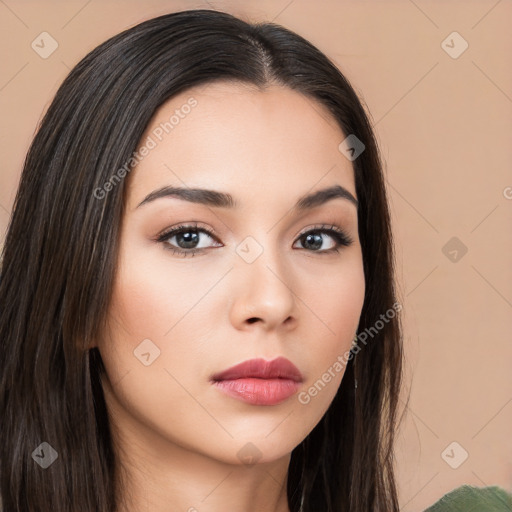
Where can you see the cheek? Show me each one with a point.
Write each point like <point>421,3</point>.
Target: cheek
<point>142,303</point>
<point>336,298</point>
<point>151,348</point>
<point>335,302</point>
<point>153,293</point>
<point>159,306</point>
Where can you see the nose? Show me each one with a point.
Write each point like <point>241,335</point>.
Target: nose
<point>263,293</point>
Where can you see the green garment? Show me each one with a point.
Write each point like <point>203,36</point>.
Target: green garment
<point>473,499</point>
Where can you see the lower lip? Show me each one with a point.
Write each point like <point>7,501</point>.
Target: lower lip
<point>259,391</point>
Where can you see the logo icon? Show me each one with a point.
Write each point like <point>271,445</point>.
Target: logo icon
<point>454,45</point>
<point>249,454</point>
<point>454,455</point>
<point>44,45</point>
<point>351,147</point>
<point>45,455</point>
<point>249,249</point>
<point>146,352</point>
<point>454,249</point>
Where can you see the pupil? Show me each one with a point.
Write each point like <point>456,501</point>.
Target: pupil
<point>190,237</point>
<point>316,243</point>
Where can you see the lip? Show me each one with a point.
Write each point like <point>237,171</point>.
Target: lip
<point>260,382</point>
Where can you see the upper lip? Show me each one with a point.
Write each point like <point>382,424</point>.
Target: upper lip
<point>279,368</point>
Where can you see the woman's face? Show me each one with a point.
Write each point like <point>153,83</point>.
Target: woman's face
<point>258,287</point>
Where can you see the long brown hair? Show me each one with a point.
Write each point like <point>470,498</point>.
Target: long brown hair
<point>58,267</point>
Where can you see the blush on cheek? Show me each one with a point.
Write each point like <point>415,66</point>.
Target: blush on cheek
<point>339,303</point>
<point>144,302</point>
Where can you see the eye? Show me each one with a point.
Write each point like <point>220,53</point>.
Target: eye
<point>187,238</point>
<point>313,238</point>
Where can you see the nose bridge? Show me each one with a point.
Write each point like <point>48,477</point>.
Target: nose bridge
<point>266,290</point>
<point>261,255</point>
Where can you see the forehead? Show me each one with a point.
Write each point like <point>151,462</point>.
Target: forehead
<point>242,139</point>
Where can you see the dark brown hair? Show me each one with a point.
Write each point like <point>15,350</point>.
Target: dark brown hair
<point>60,253</point>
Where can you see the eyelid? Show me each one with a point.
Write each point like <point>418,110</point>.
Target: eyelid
<point>192,226</point>
<point>325,227</point>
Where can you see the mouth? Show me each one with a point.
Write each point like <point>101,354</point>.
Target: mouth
<point>260,382</point>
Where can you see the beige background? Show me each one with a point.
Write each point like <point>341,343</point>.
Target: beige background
<point>444,125</point>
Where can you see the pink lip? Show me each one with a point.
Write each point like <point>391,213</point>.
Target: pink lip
<point>260,382</point>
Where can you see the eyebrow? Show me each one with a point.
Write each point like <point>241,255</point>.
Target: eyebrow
<point>218,199</point>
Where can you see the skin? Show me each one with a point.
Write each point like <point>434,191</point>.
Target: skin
<point>178,436</point>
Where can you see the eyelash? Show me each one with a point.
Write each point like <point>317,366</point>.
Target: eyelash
<point>339,236</point>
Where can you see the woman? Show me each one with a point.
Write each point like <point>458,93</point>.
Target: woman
<point>263,374</point>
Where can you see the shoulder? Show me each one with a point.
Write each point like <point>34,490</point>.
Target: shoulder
<point>487,499</point>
